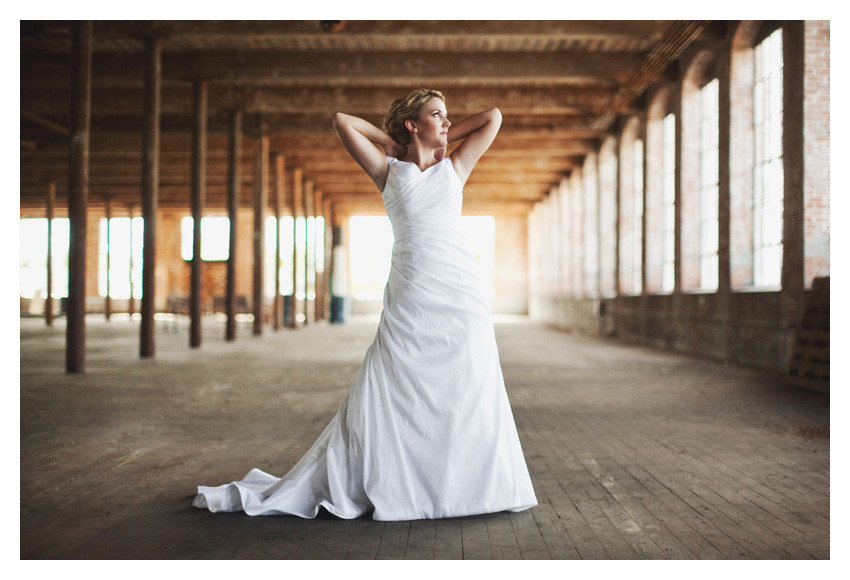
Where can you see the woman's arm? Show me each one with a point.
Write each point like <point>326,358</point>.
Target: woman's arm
<point>359,138</point>
<point>477,132</point>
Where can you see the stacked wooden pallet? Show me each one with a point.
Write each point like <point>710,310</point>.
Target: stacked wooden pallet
<point>809,367</point>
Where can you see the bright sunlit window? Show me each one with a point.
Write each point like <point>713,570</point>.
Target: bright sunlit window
<point>34,257</point>
<point>668,202</point>
<point>215,238</point>
<point>288,237</point>
<point>768,173</point>
<point>709,185</point>
<point>120,258</point>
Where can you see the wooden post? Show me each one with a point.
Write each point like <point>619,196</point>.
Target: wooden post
<point>308,201</point>
<point>328,252</point>
<point>107,306</point>
<point>199,192</point>
<point>48,300</point>
<point>277,199</point>
<point>318,237</point>
<point>234,154</point>
<point>78,189</point>
<point>261,202</point>
<point>297,175</point>
<point>150,189</point>
<point>131,304</point>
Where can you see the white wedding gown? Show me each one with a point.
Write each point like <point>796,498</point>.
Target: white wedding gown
<point>426,430</point>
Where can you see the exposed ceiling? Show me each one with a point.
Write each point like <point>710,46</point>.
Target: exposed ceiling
<point>560,85</point>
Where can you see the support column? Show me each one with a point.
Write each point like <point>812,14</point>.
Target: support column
<point>327,211</point>
<point>199,193</point>
<point>319,304</point>
<point>793,161</point>
<point>234,154</point>
<point>308,201</point>
<point>339,276</point>
<point>297,175</point>
<point>150,189</point>
<point>48,300</point>
<point>131,304</point>
<point>261,202</point>
<point>107,307</point>
<point>78,189</point>
<point>277,199</point>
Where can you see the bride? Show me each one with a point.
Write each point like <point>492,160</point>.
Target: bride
<point>426,430</point>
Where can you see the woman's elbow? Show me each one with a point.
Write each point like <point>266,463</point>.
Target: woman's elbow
<point>496,116</point>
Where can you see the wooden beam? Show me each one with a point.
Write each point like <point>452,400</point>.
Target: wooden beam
<point>278,197</point>
<point>198,193</point>
<point>234,152</point>
<point>303,32</point>
<point>46,123</point>
<point>150,191</point>
<point>332,68</point>
<point>318,237</point>
<point>75,337</point>
<point>514,102</point>
<point>261,203</point>
<point>295,210</point>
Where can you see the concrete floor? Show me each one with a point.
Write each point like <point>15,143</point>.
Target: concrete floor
<point>634,453</point>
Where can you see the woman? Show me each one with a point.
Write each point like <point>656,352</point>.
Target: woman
<point>426,430</point>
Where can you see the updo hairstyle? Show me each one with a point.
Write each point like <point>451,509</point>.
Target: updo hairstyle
<point>406,108</point>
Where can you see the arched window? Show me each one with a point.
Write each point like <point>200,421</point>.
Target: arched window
<point>700,191</point>
<point>756,158</point>
<point>660,208</point>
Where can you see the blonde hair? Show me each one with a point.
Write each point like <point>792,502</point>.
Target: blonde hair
<point>404,109</point>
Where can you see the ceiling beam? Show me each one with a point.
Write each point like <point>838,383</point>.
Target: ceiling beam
<point>337,69</point>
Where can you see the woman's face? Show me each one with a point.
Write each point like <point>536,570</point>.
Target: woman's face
<point>432,125</point>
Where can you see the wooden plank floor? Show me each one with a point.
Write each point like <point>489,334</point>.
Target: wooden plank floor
<point>634,453</point>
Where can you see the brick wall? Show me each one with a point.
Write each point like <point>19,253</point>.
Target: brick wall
<point>816,150</point>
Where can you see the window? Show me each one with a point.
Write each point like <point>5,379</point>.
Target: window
<point>668,202</point>
<point>285,271</point>
<point>34,257</point>
<point>126,243</point>
<point>768,173</point>
<point>215,238</point>
<point>315,229</point>
<point>709,186</point>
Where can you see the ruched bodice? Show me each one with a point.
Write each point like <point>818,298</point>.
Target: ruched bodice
<point>426,430</point>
